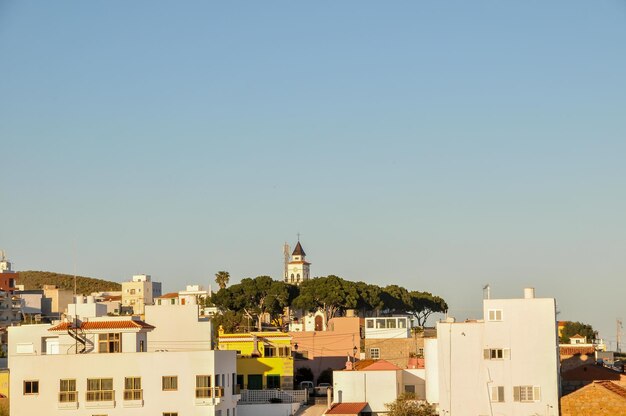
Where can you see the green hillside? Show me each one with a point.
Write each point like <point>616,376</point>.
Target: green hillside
<point>84,285</point>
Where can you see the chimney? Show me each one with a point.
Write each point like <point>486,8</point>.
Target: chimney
<point>329,397</point>
<point>529,293</point>
<point>255,348</point>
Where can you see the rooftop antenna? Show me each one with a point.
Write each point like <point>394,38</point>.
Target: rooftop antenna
<point>618,348</point>
<point>286,251</point>
<point>487,291</point>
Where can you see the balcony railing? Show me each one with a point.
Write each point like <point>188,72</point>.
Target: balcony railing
<point>264,396</point>
<point>100,396</point>
<point>133,394</point>
<point>68,396</point>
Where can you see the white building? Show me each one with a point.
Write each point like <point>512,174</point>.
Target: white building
<point>376,383</point>
<point>388,327</point>
<point>505,364</point>
<point>139,292</point>
<point>102,365</point>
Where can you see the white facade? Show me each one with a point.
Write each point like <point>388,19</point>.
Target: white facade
<point>377,387</point>
<point>122,375</point>
<point>388,327</point>
<point>139,292</point>
<point>506,364</point>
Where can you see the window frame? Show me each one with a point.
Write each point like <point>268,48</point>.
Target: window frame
<point>99,394</point>
<point>33,385</point>
<point>67,390</point>
<point>495,313</point>
<point>496,394</point>
<point>173,383</point>
<point>135,392</point>
<point>203,391</point>
<point>377,357</point>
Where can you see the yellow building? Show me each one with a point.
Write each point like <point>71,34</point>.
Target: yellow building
<point>264,359</point>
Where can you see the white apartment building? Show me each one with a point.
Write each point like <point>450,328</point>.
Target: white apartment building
<point>91,364</point>
<point>139,292</point>
<point>376,383</point>
<point>504,364</point>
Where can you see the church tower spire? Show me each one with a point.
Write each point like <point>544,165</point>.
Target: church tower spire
<point>298,269</point>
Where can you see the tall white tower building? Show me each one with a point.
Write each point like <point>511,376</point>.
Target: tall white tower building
<point>298,269</point>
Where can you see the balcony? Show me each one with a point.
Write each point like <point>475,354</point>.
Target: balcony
<point>133,398</point>
<point>208,396</point>
<point>68,400</point>
<point>100,399</point>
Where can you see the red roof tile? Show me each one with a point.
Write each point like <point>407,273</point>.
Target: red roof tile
<point>96,325</point>
<point>347,409</point>
<point>169,295</point>
<point>381,365</point>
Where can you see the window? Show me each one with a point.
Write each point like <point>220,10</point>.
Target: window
<point>67,391</point>
<point>497,354</point>
<point>173,301</point>
<point>391,323</point>
<point>203,386</point>
<point>402,323</point>
<point>273,381</point>
<point>370,323</point>
<point>497,394</point>
<point>409,388</point>
<point>142,346</point>
<point>170,413</point>
<point>494,314</point>
<point>526,393</point>
<point>31,386</point>
<point>375,353</point>
<point>109,342</point>
<point>132,388</point>
<point>170,383</point>
<point>240,381</point>
<point>269,351</point>
<point>100,390</point>
<point>255,381</point>
<point>132,291</point>
<point>380,324</point>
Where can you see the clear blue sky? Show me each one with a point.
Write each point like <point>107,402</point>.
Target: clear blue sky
<point>436,145</point>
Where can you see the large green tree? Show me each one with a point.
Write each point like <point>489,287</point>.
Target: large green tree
<point>577,328</point>
<point>424,304</point>
<point>331,294</point>
<point>254,298</point>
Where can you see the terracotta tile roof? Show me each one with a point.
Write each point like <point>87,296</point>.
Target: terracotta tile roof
<point>621,391</point>
<point>169,295</point>
<point>374,365</point>
<point>362,364</point>
<point>97,325</point>
<point>591,372</point>
<point>573,350</point>
<point>382,365</point>
<point>576,336</point>
<point>347,409</point>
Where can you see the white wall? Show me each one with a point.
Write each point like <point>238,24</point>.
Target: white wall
<point>528,330</point>
<point>177,327</point>
<point>149,366</point>
<point>374,387</point>
<point>431,367</point>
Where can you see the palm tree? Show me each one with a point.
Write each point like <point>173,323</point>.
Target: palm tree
<point>222,278</point>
